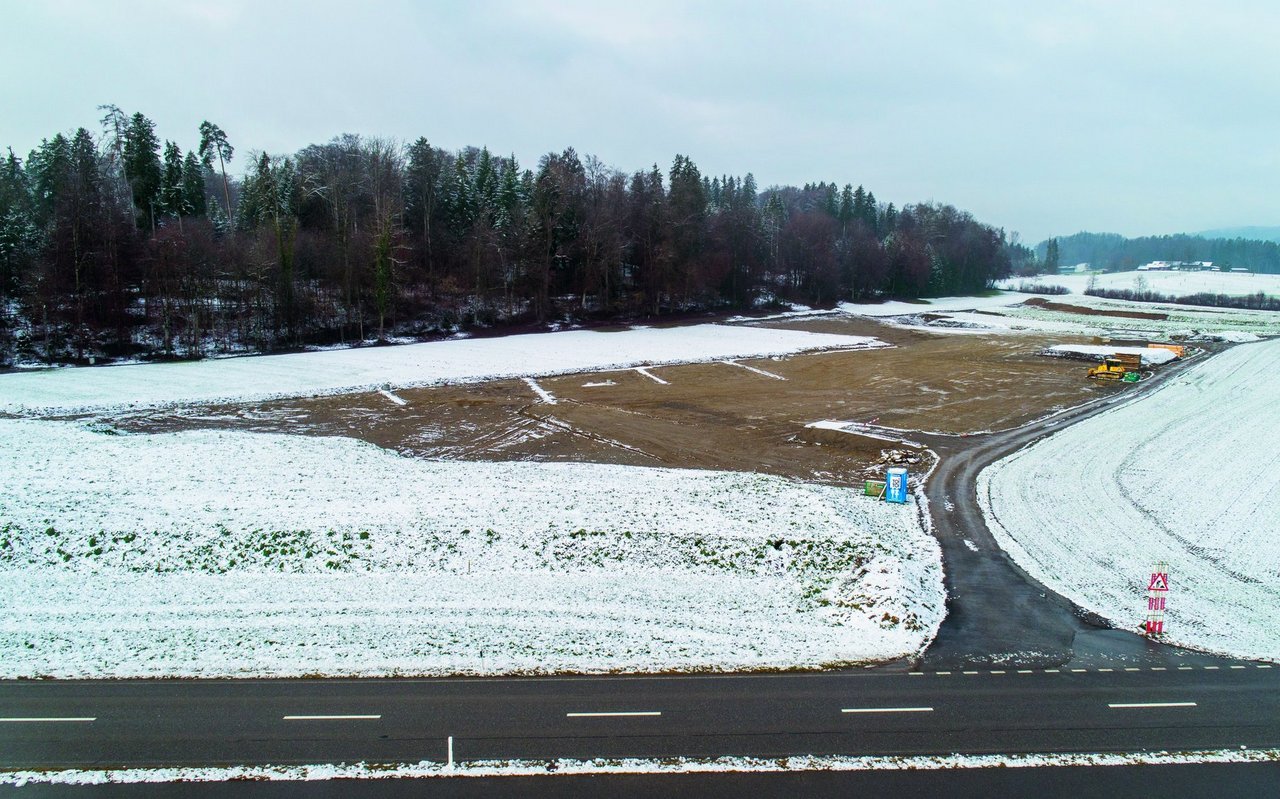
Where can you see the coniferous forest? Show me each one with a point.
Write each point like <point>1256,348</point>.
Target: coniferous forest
<point>1111,252</point>
<point>115,245</point>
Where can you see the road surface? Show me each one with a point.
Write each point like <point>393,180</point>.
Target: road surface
<point>72,724</point>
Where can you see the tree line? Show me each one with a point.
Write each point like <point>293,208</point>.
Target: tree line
<point>1258,301</point>
<point>117,245</point>
<point>1112,252</point>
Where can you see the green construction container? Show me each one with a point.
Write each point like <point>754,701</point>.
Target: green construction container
<point>873,488</point>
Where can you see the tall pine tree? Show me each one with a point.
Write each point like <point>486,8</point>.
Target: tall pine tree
<point>142,168</point>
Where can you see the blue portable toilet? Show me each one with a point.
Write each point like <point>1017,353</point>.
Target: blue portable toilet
<point>896,486</point>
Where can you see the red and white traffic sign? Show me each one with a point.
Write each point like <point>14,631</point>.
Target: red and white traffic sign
<point>1157,599</point>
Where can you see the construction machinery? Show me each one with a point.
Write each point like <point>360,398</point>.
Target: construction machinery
<point>1110,369</point>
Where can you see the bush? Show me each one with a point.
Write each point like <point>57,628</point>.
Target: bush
<point>1248,302</point>
<point>1041,288</point>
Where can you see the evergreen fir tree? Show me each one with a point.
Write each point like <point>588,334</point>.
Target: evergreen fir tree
<point>142,168</point>
<point>511,197</point>
<point>887,219</point>
<point>193,198</point>
<point>748,193</point>
<point>1051,256</point>
<point>860,203</point>
<point>830,203</point>
<point>462,201</point>
<point>870,213</point>
<point>48,167</point>
<point>486,187</point>
<point>846,204</point>
<point>18,233</point>
<point>218,218</point>
<point>171,196</point>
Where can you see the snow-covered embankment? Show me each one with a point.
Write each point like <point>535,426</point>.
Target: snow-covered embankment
<point>1189,474</point>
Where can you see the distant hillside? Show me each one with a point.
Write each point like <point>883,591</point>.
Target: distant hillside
<point>1253,232</point>
<point>1114,253</point>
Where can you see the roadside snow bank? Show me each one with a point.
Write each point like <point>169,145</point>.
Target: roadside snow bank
<point>427,769</point>
<point>1189,474</point>
<point>458,361</point>
<point>237,554</point>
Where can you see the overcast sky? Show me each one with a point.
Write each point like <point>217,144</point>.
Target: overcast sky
<point>1042,118</point>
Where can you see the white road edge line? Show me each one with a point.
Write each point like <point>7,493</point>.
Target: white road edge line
<point>886,710</point>
<point>1150,704</point>
<point>32,719</point>
<point>356,717</point>
<point>613,713</point>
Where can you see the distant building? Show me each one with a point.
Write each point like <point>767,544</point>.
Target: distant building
<point>1072,269</point>
<point>1178,266</point>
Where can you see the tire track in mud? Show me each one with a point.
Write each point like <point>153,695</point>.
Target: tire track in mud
<point>524,411</point>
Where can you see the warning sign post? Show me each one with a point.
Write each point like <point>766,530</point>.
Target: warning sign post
<point>1157,598</point>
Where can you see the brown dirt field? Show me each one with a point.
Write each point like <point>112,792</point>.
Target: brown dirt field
<point>713,416</point>
<point>1063,307</point>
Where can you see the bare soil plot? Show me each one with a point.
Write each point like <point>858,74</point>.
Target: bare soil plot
<point>711,415</point>
<point>1084,311</point>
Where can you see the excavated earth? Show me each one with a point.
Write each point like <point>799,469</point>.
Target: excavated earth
<point>709,415</point>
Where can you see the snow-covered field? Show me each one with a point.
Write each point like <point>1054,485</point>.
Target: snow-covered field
<point>1190,475</point>
<point>1006,312</point>
<point>1182,322</point>
<point>1178,284</point>
<point>229,553</point>
<point>333,371</point>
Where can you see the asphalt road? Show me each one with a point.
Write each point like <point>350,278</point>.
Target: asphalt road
<point>996,613</point>
<point>68,724</point>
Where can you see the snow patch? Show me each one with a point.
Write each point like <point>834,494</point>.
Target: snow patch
<point>644,370</point>
<point>754,369</point>
<point>397,400</point>
<point>1151,356</point>
<point>542,393</point>
<point>426,769</point>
